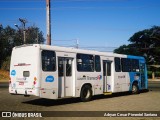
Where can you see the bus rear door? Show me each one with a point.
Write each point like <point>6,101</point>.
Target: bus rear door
<point>107,78</point>
<point>65,77</point>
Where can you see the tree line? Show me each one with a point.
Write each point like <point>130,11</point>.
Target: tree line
<point>10,37</point>
<point>144,43</point>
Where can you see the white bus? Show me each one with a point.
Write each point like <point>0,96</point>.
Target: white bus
<point>58,72</point>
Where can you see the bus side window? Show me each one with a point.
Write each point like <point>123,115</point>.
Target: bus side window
<point>85,63</point>
<point>117,61</point>
<point>48,60</point>
<point>135,65</point>
<point>129,65</point>
<point>97,63</point>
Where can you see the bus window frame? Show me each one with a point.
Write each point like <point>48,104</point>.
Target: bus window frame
<point>55,68</point>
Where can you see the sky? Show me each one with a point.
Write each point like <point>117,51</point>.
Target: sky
<point>104,24</point>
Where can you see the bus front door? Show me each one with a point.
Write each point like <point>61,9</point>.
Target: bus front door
<point>107,76</point>
<point>65,77</point>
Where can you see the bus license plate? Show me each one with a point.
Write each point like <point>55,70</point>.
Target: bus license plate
<point>21,83</point>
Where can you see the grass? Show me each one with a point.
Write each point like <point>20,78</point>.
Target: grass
<point>4,75</point>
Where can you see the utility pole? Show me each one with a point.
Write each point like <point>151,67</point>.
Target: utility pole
<point>23,21</point>
<point>48,22</point>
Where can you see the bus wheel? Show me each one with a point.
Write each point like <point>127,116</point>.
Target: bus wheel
<point>135,89</point>
<point>86,93</point>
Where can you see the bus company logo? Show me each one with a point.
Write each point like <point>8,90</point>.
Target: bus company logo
<point>13,72</point>
<point>49,78</point>
<point>99,77</point>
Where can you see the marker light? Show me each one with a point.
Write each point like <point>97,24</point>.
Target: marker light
<point>35,79</point>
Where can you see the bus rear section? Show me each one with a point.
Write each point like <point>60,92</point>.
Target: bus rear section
<point>24,77</point>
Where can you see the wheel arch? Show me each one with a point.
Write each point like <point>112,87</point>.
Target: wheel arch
<point>89,88</point>
<point>136,83</point>
<point>89,84</point>
<point>133,83</point>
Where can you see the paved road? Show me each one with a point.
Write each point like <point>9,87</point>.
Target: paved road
<point>147,101</point>
<point>3,84</point>
<point>154,85</point>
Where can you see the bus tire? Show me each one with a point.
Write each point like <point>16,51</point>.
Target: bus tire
<point>86,93</point>
<point>135,89</point>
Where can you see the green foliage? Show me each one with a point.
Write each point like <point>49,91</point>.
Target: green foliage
<point>149,74</point>
<point>34,35</point>
<point>10,38</point>
<point>144,43</point>
<point>6,64</point>
<point>157,74</point>
<point>127,49</point>
<point>6,36</point>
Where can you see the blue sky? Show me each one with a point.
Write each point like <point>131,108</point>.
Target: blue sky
<point>100,23</point>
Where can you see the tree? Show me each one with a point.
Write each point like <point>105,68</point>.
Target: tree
<point>144,43</point>
<point>34,35</point>
<point>127,49</point>
<point>6,35</point>
<point>10,37</point>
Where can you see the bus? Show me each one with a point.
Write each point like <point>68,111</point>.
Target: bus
<point>55,72</point>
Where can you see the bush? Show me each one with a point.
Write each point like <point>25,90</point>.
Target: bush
<point>4,75</point>
<point>157,74</point>
<point>6,64</point>
<point>149,74</point>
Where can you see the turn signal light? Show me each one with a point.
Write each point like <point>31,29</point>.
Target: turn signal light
<point>35,79</point>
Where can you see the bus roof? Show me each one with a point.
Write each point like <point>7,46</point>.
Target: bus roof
<point>75,50</point>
